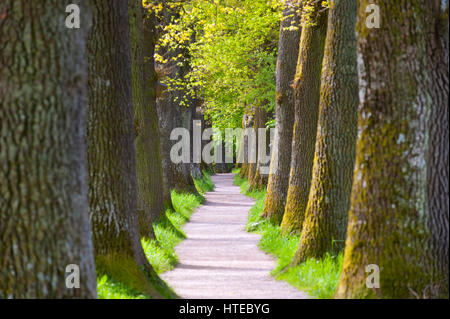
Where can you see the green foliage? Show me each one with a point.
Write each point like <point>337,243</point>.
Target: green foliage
<point>161,252</point>
<point>233,57</point>
<point>205,183</point>
<point>270,123</point>
<point>311,9</point>
<point>318,278</point>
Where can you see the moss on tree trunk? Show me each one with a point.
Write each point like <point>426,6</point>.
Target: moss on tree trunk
<point>438,153</point>
<point>111,154</point>
<point>256,180</point>
<point>278,179</point>
<point>151,201</point>
<point>325,224</point>
<point>389,214</point>
<point>307,95</point>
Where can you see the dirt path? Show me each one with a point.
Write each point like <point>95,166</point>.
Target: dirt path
<point>219,259</point>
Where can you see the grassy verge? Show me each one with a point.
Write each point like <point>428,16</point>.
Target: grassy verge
<point>161,251</point>
<point>318,278</point>
<point>108,288</point>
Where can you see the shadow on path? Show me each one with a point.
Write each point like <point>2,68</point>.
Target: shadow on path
<point>219,259</point>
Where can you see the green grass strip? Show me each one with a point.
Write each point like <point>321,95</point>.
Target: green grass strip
<point>161,251</point>
<point>318,278</point>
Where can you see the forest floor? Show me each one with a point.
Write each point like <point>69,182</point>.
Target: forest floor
<point>219,259</point>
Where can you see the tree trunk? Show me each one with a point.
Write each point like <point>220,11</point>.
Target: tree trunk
<point>438,154</point>
<point>240,149</point>
<point>206,124</point>
<point>325,224</point>
<point>150,202</point>
<point>246,123</point>
<point>171,111</point>
<point>258,181</point>
<point>221,167</point>
<point>389,213</point>
<point>307,95</point>
<point>111,155</point>
<point>44,216</point>
<point>178,175</point>
<point>170,116</point>
<point>197,116</point>
<point>280,166</point>
<point>159,185</point>
<point>252,146</point>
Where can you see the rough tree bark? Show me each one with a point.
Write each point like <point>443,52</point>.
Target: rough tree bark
<point>44,216</point>
<point>307,95</point>
<point>389,212</point>
<point>178,176</point>
<point>171,113</point>
<point>151,201</point>
<point>286,63</point>
<point>256,180</point>
<point>438,154</point>
<point>111,155</point>
<point>150,75</point>
<point>325,224</point>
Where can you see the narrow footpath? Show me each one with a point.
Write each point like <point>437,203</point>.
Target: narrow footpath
<point>219,259</point>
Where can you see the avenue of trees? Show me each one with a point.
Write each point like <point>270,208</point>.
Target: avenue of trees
<point>361,125</point>
<point>361,141</point>
<point>81,164</point>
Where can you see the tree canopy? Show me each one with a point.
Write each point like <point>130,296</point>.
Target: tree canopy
<point>233,58</point>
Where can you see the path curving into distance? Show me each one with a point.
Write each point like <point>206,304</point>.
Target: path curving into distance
<point>219,259</point>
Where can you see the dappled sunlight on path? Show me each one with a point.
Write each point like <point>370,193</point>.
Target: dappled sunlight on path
<point>219,259</point>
